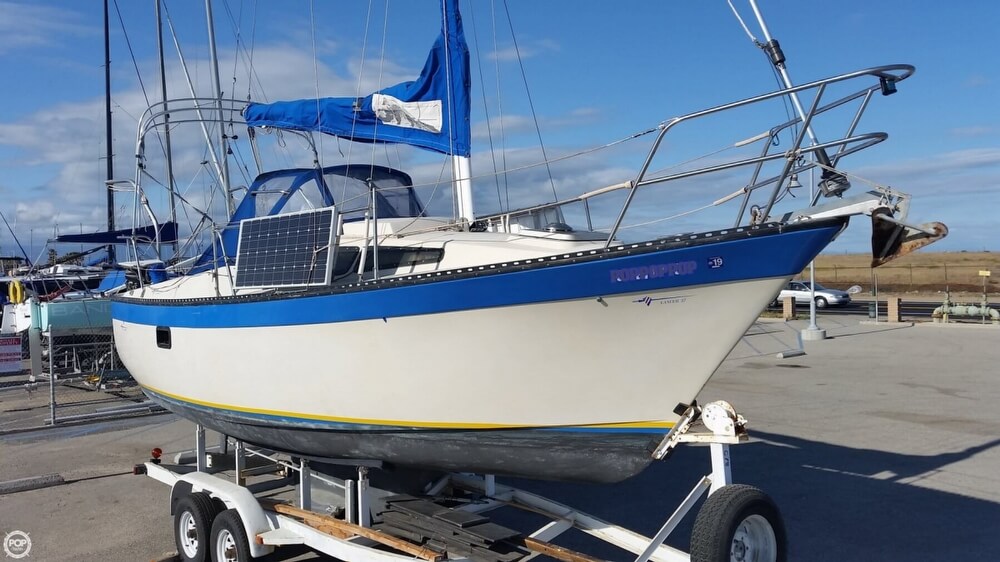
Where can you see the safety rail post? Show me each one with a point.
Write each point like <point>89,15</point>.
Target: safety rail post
<point>52,378</point>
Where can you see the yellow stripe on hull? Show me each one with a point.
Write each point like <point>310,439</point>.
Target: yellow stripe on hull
<point>657,425</point>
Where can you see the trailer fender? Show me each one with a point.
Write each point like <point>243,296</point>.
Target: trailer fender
<point>255,519</point>
<point>178,491</point>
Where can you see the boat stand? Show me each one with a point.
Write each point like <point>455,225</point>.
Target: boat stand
<point>727,428</point>
<point>447,521</point>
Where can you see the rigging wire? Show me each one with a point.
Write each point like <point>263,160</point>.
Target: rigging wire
<point>381,70</point>
<point>874,184</point>
<point>763,49</point>
<point>142,85</point>
<point>237,32</point>
<point>253,43</point>
<point>486,109</point>
<point>241,50</point>
<point>743,24</point>
<point>357,95</point>
<point>205,126</point>
<point>14,236</point>
<point>131,53</point>
<point>312,27</point>
<point>531,104</point>
<point>503,130</point>
<point>663,219</point>
<point>576,154</point>
<point>448,78</point>
<point>794,129</point>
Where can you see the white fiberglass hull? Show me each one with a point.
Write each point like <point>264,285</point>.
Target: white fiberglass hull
<point>552,364</point>
<point>566,367</point>
<point>589,368</point>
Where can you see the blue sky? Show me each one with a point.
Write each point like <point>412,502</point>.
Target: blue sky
<point>597,71</point>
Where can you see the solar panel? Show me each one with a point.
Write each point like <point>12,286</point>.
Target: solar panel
<point>290,250</point>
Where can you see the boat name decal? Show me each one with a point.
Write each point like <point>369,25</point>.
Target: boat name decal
<point>676,299</point>
<point>654,271</point>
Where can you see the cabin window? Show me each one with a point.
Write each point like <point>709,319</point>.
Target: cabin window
<point>350,187</point>
<point>305,198</point>
<point>270,193</point>
<point>287,194</point>
<point>395,258</point>
<point>163,337</point>
<point>346,261</point>
<point>538,220</point>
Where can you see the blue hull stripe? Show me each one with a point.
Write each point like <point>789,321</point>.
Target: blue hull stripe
<point>767,255</point>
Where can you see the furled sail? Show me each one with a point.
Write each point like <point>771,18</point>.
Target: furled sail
<point>431,112</point>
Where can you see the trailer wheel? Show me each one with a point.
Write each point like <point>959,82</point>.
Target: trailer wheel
<point>738,523</point>
<point>192,525</point>
<point>229,538</point>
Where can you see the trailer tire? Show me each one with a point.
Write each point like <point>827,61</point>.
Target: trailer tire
<point>193,525</point>
<point>738,522</point>
<point>229,538</point>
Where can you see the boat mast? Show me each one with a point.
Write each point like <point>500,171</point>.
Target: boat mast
<point>461,166</point>
<point>108,136</point>
<point>461,171</point>
<point>217,92</point>
<point>166,122</point>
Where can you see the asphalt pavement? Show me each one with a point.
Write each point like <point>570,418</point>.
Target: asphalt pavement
<point>880,443</point>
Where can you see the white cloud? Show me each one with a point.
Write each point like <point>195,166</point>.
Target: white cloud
<point>507,125</point>
<point>515,124</point>
<point>68,139</point>
<point>976,81</point>
<point>524,50</point>
<point>936,167</point>
<point>29,25</point>
<point>973,131</point>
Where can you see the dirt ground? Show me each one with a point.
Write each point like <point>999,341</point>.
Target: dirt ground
<point>921,275</point>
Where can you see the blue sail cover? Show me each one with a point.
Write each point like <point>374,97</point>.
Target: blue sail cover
<point>431,112</point>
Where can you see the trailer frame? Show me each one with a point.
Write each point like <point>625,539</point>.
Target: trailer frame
<point>267,524</point>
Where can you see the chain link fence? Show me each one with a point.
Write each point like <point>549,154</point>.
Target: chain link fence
<point>65,376</point>
<point>911,278</point>
<point>19,399</point>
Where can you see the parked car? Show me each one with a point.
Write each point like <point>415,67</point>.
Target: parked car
<point>824,297</point>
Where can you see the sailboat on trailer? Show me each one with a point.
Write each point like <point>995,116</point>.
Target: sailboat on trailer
<point>334,318</point>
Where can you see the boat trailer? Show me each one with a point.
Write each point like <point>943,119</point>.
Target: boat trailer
<point>233,504</point>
